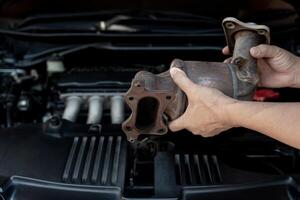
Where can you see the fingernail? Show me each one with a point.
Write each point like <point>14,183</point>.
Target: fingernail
<point>174,71</point>
<point>254,51</point>
<point>224,51</point>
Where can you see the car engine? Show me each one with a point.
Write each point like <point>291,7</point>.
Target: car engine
<point>63,78</point>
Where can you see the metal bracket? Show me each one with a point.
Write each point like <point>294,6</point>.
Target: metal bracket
<point>232,25</point>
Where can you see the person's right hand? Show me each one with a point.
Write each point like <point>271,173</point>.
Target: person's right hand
<point>277,67</point>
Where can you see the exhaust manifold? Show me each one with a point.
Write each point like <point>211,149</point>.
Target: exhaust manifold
<point>155,99</point>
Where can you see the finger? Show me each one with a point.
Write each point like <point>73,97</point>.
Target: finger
<point>265,73</point>
<point>265,51</point>
<point>228,60</point>
<point>182,80</point>
<point>178,124</point>
<point>225,50</point>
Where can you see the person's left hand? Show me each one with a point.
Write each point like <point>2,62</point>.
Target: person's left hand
<point>207,113</point>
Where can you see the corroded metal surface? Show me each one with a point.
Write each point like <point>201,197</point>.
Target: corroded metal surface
<point>155,99</point>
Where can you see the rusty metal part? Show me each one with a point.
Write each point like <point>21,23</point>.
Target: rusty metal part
<point>156,99</point>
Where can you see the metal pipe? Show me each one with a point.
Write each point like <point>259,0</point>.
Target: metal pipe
<point>95,104</point>
<point>247,65</point>
<point>117,109</point>
<point>72,108</point>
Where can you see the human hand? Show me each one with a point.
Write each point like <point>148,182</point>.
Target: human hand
<point>277,67</point>
<point>206,113</point>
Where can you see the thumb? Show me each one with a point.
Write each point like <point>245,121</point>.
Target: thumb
<point>178,124</point>
<point>265,51</point>
<point>225,50</point>
<point>181,79</point>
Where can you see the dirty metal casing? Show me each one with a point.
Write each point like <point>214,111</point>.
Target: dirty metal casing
<point>155,99</point>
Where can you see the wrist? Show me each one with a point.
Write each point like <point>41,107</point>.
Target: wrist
<point>230,113</point>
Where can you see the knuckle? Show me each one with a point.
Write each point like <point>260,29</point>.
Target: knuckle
<point>197,131</point>
<point>193,97</point>
<point>205,135</point>
<point>277,51</point>
<point>263,49</point>
<point>177,125</point>
<point>172,128</point>
<point>193,130</point>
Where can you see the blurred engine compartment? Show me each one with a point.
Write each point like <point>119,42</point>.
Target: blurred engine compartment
<point>61,112</point>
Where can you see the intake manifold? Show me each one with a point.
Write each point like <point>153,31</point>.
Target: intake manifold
<point>155,99</point>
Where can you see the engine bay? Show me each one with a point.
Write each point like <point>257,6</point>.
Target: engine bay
<point>62,107</point>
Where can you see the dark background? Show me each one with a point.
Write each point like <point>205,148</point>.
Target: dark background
<point>217,8</point>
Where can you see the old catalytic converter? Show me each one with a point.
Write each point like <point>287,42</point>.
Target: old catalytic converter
<point>154,98</point>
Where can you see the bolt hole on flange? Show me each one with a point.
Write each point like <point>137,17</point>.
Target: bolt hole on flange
<point>131,98</point>
<point>230,25</point>
<point>168,97</point>
<point>261,32</point>
<point>131,140</point>
<point>137,84</point>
